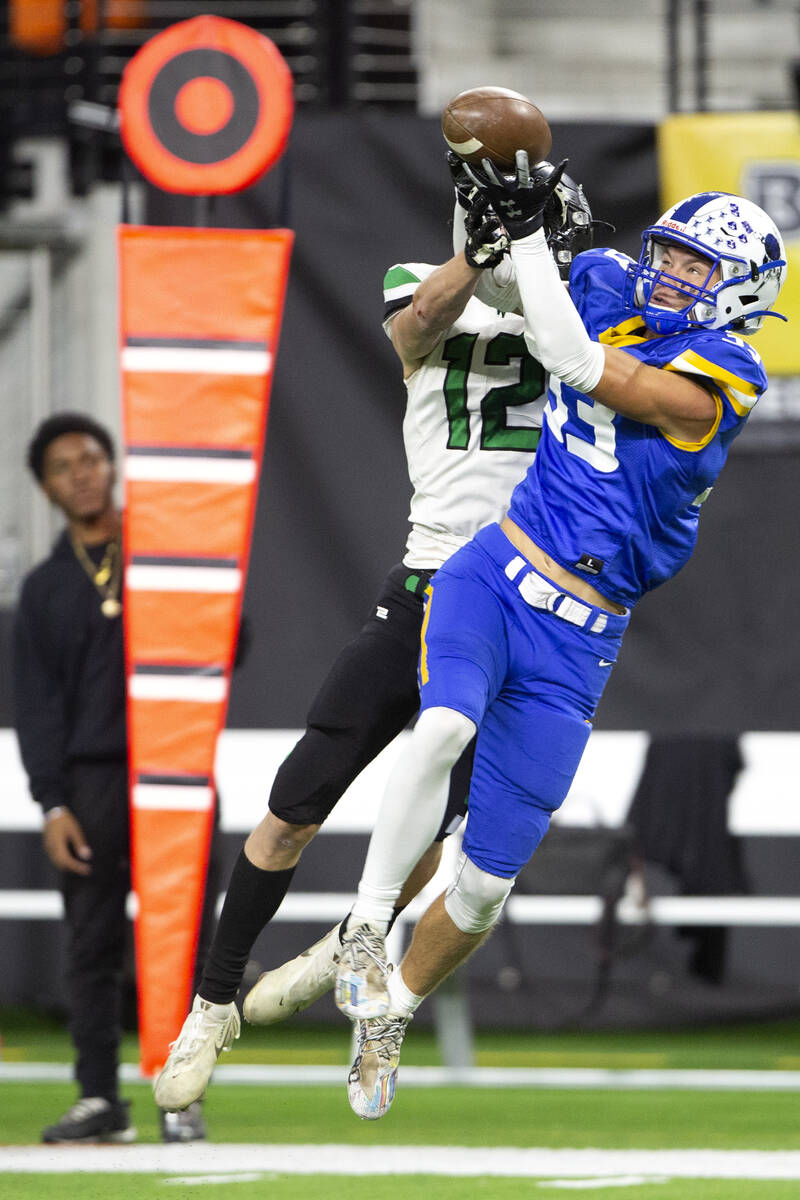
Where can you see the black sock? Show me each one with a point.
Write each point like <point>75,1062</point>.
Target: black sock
<point>252,899</point>
<point>395,914</point>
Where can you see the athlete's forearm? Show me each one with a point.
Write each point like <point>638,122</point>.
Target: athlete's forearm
<point>672,403</point>
<point>436,304</point>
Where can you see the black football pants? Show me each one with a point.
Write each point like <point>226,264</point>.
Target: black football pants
<point>368,697</point>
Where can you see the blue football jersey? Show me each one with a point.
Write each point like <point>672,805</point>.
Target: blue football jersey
<point>612,499</point>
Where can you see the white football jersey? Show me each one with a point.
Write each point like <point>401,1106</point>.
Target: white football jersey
<point>472,421</point>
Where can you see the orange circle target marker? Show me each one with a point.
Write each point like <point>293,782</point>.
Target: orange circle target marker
<point>206,106</point>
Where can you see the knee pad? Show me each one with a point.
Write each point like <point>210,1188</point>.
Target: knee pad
<point>443,733</point>
<point>475,899</point>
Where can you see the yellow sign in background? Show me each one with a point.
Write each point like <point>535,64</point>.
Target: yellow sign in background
<point>756,155</point>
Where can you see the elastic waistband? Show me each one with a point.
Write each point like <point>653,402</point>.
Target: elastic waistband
<point>417,581</point>
<point>540,592</point>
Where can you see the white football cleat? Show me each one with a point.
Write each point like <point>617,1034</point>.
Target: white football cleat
<point>208,1029</point>
<point>187,1125</point>
<point>361,979</point>
<point>291,988</point>
<point>372,1081</point>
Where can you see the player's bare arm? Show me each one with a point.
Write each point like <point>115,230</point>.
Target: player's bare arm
<point>675,404</point>
<point>441,298</point>
<point>437,303</point>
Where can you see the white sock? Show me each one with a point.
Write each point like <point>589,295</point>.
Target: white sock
<point>411,812</point>
<point>402,1001</point>
<point>354,920</point>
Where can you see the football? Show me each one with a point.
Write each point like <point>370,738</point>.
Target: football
<point>494,122</point>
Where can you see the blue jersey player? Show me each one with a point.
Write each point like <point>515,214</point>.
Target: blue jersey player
<point>650,382</point>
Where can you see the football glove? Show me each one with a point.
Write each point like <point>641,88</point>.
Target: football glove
<point>487,240</point>
<point>464,187</point>
<point>519,199</point>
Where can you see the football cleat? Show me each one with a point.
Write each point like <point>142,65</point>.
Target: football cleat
<point>185,1126</point>
<point>93,1119</point>
<point>361,980</point>
<point>208,1030</point>
<point>291,988</point>
<point>372,1081</point>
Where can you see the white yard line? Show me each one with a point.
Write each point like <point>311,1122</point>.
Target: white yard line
<point>532,1163</point>
<point>631,1079</point>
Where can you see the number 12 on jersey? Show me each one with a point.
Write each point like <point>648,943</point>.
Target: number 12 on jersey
<point>496,433</point>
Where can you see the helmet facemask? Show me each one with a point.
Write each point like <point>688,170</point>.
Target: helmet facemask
<point>728,232</point>
<point>697,302</point>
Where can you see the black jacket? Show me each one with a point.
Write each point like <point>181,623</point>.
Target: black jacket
<point>69,675</point>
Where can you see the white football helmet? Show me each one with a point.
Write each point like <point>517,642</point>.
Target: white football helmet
<point>733,234</point>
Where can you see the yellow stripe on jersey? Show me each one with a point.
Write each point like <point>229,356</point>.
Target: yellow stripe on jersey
<point>423,656</point>
<point>740,392</point>
<point>693,447</point>
<point>627,333</point>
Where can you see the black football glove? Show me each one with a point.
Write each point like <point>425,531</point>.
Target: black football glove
<point>487,240</point>
<point>519,199</point>
<point>464,187</point>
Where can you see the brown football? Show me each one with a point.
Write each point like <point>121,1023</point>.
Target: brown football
<point>494,122</point>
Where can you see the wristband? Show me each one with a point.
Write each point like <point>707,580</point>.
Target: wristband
<point>56,811</point>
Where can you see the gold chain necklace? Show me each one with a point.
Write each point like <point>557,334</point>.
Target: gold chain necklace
<point>106,577</point>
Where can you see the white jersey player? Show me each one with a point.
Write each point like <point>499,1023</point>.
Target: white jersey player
<point>473,418</point>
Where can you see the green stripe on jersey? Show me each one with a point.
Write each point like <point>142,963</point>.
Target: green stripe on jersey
<point>397,276</point>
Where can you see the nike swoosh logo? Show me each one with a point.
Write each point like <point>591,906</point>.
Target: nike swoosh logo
<point>605,662</point>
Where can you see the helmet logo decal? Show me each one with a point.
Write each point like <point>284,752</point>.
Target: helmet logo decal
<point>771,246</point>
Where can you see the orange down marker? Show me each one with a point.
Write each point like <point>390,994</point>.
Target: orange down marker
<point>200,317</point>
<point>205,108</point>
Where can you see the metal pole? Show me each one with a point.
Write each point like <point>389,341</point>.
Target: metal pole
<point>673,62</point>
<point>701,55</point>
<point>284,190</point>
<point>41,525</point>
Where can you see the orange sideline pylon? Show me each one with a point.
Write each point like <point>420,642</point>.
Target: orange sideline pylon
<point>200,315</point>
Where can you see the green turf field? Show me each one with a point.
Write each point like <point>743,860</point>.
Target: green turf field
<point>457,1116</point>
<point>245,1119</point>
<point>410,1187</point>
<point>775,1045</point>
